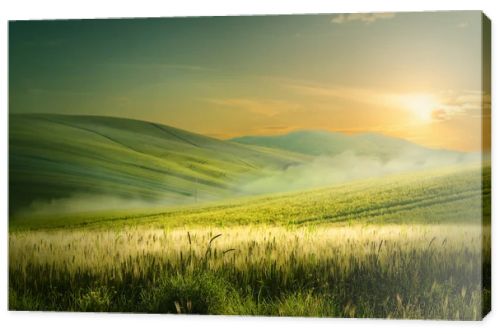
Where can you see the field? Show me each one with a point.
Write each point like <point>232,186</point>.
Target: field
<point>407,246</point>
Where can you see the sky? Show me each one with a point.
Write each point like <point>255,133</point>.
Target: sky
<point>417,76</point>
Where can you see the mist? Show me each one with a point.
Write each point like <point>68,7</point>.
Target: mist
<point>82,202</point>
<point>349,166</point>
<point>320,172</point>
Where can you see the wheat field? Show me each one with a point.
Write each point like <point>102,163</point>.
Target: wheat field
<point>360,270</point>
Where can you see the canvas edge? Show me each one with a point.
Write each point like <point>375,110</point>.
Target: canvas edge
<point>486,146</point>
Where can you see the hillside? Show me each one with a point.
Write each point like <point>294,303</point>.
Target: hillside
<point>55,156</point>
<point>326,143</point>
<point>450,195</point>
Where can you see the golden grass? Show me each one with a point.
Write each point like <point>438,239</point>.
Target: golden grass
<point>102,250</point>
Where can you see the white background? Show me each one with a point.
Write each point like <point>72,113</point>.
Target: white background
<point>49,322</point>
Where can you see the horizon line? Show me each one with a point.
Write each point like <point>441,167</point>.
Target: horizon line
<point>212,136</point>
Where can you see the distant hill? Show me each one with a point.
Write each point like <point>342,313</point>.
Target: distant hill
<point>58,156</point>
<point>326,143</point>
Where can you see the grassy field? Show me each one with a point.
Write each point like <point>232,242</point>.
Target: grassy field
<point>408,246</point>
<point>451,195</point>
<point>350,271</point>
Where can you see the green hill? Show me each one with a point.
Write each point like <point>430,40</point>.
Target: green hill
<point>449,195</point>
<point>56,156</point>
<point>326,143</point>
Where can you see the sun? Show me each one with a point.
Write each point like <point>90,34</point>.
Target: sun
<point>421,105</point>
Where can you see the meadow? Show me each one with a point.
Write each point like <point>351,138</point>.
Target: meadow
<point>407,246</point>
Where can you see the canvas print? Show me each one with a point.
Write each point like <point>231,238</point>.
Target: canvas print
<point>294,165</point>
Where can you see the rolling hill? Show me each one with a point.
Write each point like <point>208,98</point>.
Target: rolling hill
<point>56,156</point>
<point>327,143</point>
<point>459,194</point>
<point>89,163</point>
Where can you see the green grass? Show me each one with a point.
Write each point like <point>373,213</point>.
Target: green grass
<point>407,246</point>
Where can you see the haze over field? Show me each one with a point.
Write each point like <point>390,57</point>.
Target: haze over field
<point>340,158</point>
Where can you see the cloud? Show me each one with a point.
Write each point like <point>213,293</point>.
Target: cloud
<point>354,94</point>
<point>440,106</point>
<point>443,106</point>
<point>367,18</point>
<point>462,25</point>
<point>440,114</point>
<point>264,107</point>
<point>333,91</point>
<point>279,128</point>
<point>469,103</point>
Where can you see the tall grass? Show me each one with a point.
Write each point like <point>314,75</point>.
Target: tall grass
<point>396,271</point>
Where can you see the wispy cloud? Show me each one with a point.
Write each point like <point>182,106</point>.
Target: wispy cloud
<point>443,106</point>
<point>471,103</point>
<point>278,128</point>
<point>354,94</point>
<point>436,106</point>
<point>264,107</point>
<point>366,18</point>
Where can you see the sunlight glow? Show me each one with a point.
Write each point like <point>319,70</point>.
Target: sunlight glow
<point>421,105</point>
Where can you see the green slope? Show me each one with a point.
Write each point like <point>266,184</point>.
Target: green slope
<point>56,156</point>
<point>450,195</point>
<point>326,143</point>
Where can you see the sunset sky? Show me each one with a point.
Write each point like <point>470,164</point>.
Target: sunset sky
<point>410,75</point>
